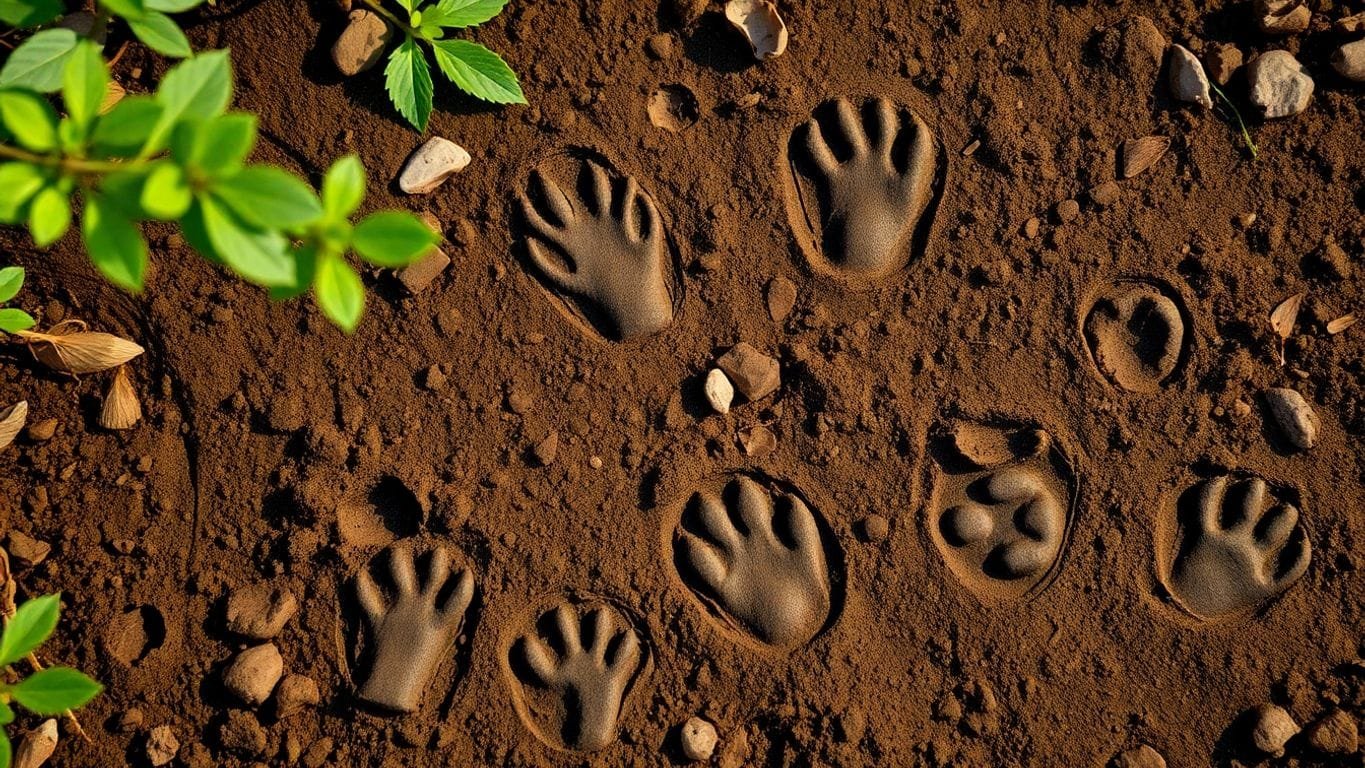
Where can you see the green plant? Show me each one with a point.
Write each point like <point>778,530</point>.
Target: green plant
<point>176,156</point>
<point>473,68</point>
<point>1241,126</point>
<point>49,691</point>
<point>12,320</point>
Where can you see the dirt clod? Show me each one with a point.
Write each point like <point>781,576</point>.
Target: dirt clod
<point>252,674</point>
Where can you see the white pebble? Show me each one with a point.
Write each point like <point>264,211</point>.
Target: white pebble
<point>431,165</point>
<point>1280,85</point>
<point>719,391</point>
<point>698,739</point>
<point>1272,729</point>
<point>1349,61</point>
<point>1188,81</point>
<point>1293,416</point>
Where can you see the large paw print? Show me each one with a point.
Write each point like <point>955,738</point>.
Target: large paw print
<point>413,627</point>
<point>1238,547</point>
<point>1136,335</point>
<point>761,565</point>
<point>873,171</point>
<point>606,249</point>
<point>588,662</point>
<point>1009,529</point>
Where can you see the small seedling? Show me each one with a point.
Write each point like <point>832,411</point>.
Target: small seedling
<point>1241,126</point>
<point>48,691</point>
<point>473,68</point>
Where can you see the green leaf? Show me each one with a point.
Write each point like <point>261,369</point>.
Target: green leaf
<point>6,751</point>
<point>478,71</point>
<point>19,182</point>
<point>166,194</point>
<point>128,9</point>
<point>6,716</point>
<point>200,87</point>
<point>409,5</point>
<point>468,13</point>
<point>32,624</point>
<point>407,78</point>
<point>221,144</point>
<point>11,280</point>
<point>15,320</point>
<point>172,6</point>
<point>305,268</point>
<point>161,34</point>
<point>84,83</point>
<point>115,243</point>
<point>30,119</point>
<point>54,690</point>
<point>39,62</point>
<point>269,197</point>
<point>258,255</point>
<point>339,292</point>
<point>392,238</point>
<point>30,13</point>
<point>124,131</point>
<point>343,187</point>
<point>49,217</point>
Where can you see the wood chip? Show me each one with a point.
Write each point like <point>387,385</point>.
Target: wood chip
<point>11,421</point>
<point>1140,154</point>
<point>1341,323</point>
<point>970,148</point>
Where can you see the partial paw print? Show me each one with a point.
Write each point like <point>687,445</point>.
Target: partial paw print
<point>1002,508</point>
<point>1136,335</point>
<point>758,560</point>
<point>411,623</point>
<point>601,243</point>
<point>865,176</point>
<point>1236,547</point>
<point>580,660</point>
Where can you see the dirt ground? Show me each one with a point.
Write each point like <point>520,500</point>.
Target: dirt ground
<point>277,450</point>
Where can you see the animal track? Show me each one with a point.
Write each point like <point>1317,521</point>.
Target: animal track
<point>1237,547</point>
<point>864,179</point>
<point>1136,335</point>
<point>761,565</point>
<point>603,245</point>
<point>586,663</point>
<point>412,626</point>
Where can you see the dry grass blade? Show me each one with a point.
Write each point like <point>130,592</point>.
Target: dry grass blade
<point>121,407</point>
<point>11,421</point>
<point>1140,154</point>
<point>1282,318</point>
<point>1341,323</point>
<point>80,352</point>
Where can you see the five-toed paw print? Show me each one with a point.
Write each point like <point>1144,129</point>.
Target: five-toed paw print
<point>412,627</point>
<point>873,169</point>
<point>1237,547</point>
<point>761,565</point>
<point>605,248</point>
<point>588,663</point>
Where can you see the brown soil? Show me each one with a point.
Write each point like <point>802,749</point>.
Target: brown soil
<point>277,449</point>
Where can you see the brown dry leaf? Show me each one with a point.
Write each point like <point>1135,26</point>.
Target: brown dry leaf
<point>1282,318</point>
<point>1341,323</point>
<point>1140,154</point>
<point>113,95</point>
<point>11,421</point>
<point>121,407</point>
<point>80,352</point>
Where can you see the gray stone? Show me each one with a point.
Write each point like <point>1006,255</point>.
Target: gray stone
<point>431,164</point>
<point>1349,61</point>
<point>1187,79</point>
<point>1280,85</point>
<point>698,739</point>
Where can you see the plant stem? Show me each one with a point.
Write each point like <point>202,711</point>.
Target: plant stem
<point>1246,135</point>
<point>387,14</point>
<point>75,165</point>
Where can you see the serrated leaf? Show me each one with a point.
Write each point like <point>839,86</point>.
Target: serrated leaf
<point>407,78</point>
<point>54,690</point>
<point>31,625</point>
<point>260,256</point>
<point>269,197</point>
<point>38,63</point>
<point>392,238</point>
<point>468,13</point>
<point>161,34</point>
<point>200,87</point>
<point>84,83</point>
<point>124,131</point>
<point>19,182</point>
<point>343,187</point>
<point>11,280</point>
<point>478,71</point>
<point>14,320</point>
<point>49,216</point>
<point>115,244</point>
<point>339,292</point>
<point>30,120</point>
<point>30,13</point>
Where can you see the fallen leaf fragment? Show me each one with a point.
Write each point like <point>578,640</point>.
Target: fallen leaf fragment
<point>79,352</point>
<point>1140,154</point>
<point>121,407</point>
<point>1282,318</point>
<point>37,746</point>
<point>761,25</point>
<point>1341,323</point>
<point>11,421</point>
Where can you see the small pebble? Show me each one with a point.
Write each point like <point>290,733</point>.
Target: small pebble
<point>753,373</point>
<point>252,674</point>
<point>1349,61</point>
<point>1031,227</point>
<point>260,611</point>
<point>719,392</point>
<point>1222,61</point>
<point>781,298</point>
<point>431,164</point>
<point>1336,733</point>
<point>361,44</point>
<point>294,694</point>
<point>1068,210</point>
<point>546,449</point>
<point>698,739</point>
<point>1140,757</point>
<point>1280,85</point>
<point>1293,417</point>
<point>162,746</point>
<point>1282,17</point>
<point>1105,194</point>
<point>42,431</point>
<point>1272,727</point>
<point>1187,79</point>
<point>876,527</point>
<point>26,550</point>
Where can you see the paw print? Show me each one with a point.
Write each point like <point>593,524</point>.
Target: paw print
<point>413,627</point>
<point>606,249</point>
<point>1136,336</point>
<point>1238,548</point>
<point>588,662</point>
<point>874,175</point>
<point>1014,531</point>
<point>762,566</point>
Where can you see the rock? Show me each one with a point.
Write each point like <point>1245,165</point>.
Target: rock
<point>1336,733</point>
<point>719,392</point>
<point>1280,85</point>
<point>417,276</point>
<point>1293,417</point>
<point>1282,17</point>
<point>162,745</point>
<point>876,527</point>
<point>1222,61</point>
<point>1031,227</point>
<point>252,674</point>
<point>1187,79</point>
<point>1350,25</point>
<point>758,441</point>
<point>362,43</point>
<point>662,46</point>
<point>260,611</point>
<point>1271,728</point>
<point>131,720</point>
<point>753,373</point>
<point>243,733</point>
<point>1068,210</point>
<point>698,739</point>
<point>1105,194</point>
<point>42,431</point>
<point>431,164</point>
<point>781,297</point>
<point>37,746</point>
<point>294,694</point>
<point>26,550</point>
<point>546,449</point>
<point>434,379</point>
<point>1140,757</point>
<point>1349,61</point>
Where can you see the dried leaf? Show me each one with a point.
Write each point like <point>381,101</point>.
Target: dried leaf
<point>80,352</point>
<point>1282,319</point>
<point>37,746</point>
<point>11,421</point>
<point>1140,154</point>
<point>1341,323</point>
<point>112,96</point>
<point>761,25</point>
<point>121,407</point>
